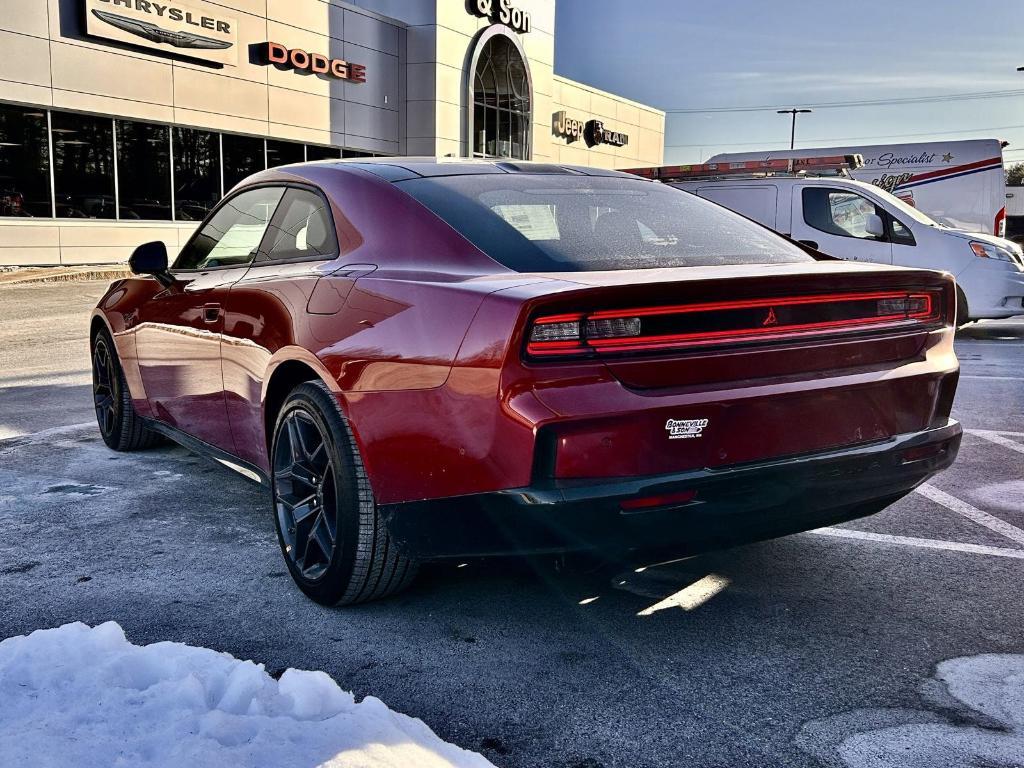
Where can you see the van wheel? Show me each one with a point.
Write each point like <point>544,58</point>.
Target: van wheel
<point>962,311</point>
<point>334,541</point>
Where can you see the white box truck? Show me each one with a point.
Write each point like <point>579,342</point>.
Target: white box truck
<point>957,183</point>
<point>816,202</point>
<point>1015,214</point>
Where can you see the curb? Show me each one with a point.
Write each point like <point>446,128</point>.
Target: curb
<point>61,275</point>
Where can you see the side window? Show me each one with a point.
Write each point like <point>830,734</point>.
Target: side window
<point>233,234</point>
<point>838,212</point>
<point>901,234</point>
<point>302,229</point>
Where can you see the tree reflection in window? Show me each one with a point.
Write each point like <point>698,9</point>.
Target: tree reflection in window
<point>24,162</point>
<point>83,166</point>
<point>501,102</point>
<point>196,173</point>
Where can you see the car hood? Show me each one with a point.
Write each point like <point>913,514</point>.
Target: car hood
<point>1002,242</point>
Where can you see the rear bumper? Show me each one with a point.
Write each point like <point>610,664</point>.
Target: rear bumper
<point>730,505</point>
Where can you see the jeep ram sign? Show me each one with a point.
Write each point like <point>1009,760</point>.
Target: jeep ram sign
<point>196,29</point>
<point>592,132</point>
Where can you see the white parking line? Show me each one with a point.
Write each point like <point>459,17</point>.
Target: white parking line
<point>997,438</point>
<point>995,378</point>
<point>910,541</point>
<point>993,523</point>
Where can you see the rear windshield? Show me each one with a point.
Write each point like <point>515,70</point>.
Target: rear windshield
<point>561,223</point>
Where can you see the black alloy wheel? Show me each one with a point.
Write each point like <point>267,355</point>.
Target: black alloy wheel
<point>304,489</point>
<point>335,543</point>
<point>120,425</point>
<point>105,390</point>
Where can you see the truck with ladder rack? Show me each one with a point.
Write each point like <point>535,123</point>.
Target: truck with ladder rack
<point>816,201</point>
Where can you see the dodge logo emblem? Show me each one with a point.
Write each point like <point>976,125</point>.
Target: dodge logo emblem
<point>770,318</point>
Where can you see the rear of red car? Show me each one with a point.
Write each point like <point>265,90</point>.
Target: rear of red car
<point>734,399</point>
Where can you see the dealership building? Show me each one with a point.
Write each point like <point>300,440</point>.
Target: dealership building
<point>123,121</point>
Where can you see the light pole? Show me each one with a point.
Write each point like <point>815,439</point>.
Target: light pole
<point>794,113</point>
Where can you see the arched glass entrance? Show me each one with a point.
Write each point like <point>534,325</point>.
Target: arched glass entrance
<point>501,100</point>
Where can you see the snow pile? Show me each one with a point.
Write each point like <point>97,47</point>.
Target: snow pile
<point>81,696</point>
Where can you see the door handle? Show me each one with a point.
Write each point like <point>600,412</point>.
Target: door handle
<point>810,244</point>
<point>211,313</point>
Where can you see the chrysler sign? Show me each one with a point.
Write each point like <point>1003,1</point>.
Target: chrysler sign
<point>195,29</point>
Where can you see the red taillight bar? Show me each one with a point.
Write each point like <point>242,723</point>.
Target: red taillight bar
<point>930,312</point>
<point>710,337</point>
<point>566,318</point>
<point>788,301</point>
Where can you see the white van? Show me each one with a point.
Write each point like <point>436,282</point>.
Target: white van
<point>854,220</point>
<point>957,183</point>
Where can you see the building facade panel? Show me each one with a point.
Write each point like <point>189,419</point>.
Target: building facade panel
<point>27,59</point>
<point>111,75</point>
<point>26,19</point>
<point>311,15</point>
<point>371,33</point>
<point>381,87</point>
<point>145,137</point>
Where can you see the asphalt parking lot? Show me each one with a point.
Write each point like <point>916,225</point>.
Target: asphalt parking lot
<point>866,645</point>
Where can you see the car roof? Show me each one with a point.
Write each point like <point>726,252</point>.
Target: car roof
<point>403,168</point>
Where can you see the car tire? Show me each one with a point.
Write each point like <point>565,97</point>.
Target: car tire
<point>962,310</point>
<point>334,541</point>
<point>120,425</point>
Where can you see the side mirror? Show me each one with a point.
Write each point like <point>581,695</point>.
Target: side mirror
<point>151,259</point>
<point>874,225</point>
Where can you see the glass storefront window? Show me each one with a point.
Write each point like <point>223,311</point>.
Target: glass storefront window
<point>196,173</point>
<point>284,153</point>
<point>243,156</point>
<point>83,166</point>
<point>24,163</point>
<point>501,101</point>
<point>313,152</point>
<point>86,160</point>
<point>143,171</point>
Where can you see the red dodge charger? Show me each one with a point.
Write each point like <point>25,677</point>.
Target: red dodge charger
<point>428,359</point>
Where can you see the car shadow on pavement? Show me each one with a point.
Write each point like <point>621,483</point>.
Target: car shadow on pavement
<point>33,408</point>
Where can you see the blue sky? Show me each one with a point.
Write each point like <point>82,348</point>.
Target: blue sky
<point>690,54</point>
